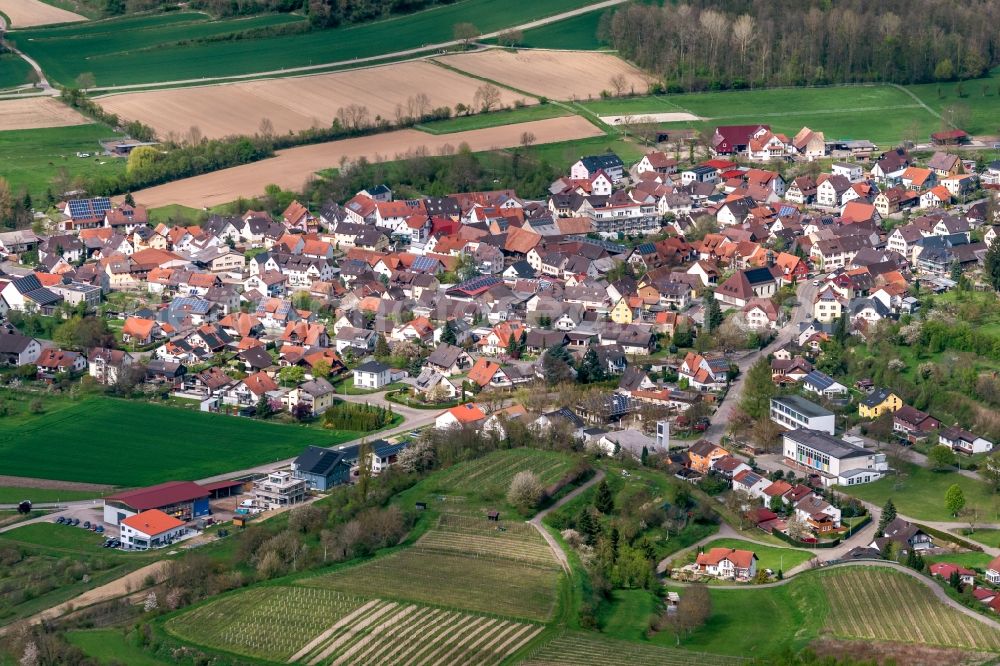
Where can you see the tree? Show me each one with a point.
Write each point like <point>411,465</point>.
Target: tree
<point>888,515</point>
<point>991,266</point>
<point>954,499</point>
<point>941,458</point>
<point>321,369</point>
<point>618,84</point>
<point>713,313</point>
<point>527,139</point>
<point>86,80</point>
<point>292,375</point>
<point>990,470</point>
<point>914,560</point>
<point>264,408</point>
<point>141,160</point>
<point>797,528</point>
<point>448,334</point>
<point>758,389</point>
<point>510,38</point>
<point>465,33</point>
<point>603,500</point>
<point>382,347</point>
<point>364,469</point>
<point>590,369</point>
<point>129,199</point>
<point>487,97</point>
<point>525,490</point>
<point>694,607</point>
<point>556,366</point>
<point>644,456</point>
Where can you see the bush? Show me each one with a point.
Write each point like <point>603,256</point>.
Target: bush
<point>525,490</point>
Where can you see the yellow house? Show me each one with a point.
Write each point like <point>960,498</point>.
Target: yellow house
<point>622,312</point>
<point>878,402</point>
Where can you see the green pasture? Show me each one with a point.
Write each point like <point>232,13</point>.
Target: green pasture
<point>494,119</point>
<point>13,71</point>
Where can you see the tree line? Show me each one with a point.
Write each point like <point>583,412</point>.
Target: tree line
<point>733,44</point>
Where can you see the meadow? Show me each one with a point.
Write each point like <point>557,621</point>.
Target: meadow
<point>485,585</point>
<point>67,52</point>
<point>15,494</point>
<point>33,158</point>
<point>137,444</point>
<point>13,71</point>
<point>579,32</point>
<point>109,646</point>
<point>979,97</point>
<point>51,535</point>
<point>490,476</point>
<point>771,557</point>
<point>494,119</point>
<point>921,492</point>
<point>588,649</point>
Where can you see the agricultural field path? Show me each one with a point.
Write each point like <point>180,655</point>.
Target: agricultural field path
<point>427,49</point>
<point>43,83</point>
<point>557,550</point>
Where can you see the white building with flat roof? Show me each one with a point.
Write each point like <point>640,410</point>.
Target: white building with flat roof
<point>791,411</point>
<point>836,461</point>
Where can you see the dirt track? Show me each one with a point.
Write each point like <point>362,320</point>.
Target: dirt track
<point>293,104</point>
<point>291,168</point>
<point>36,112</point>
<point>27,13</point>
<point>559,75</point>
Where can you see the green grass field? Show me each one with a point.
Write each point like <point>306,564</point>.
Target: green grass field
<point>56,536</point>
<point>970,559</point>
<point>32,158</point>
<point>627,614</point>
<point>921,495</point>
<point>485,585</point>
<point>987,537</point>
<point>579,32</point>
<point>107,49</point>
<point>15,494</point>
<point>489,477</point>
<point>108,646</point>
<point>13,70</point>
<point>771,557</point>
<point>495,119</point>
<point>136,444</point>
<point>590,649</point>
<point>568,152</point>
<point>981,108</point>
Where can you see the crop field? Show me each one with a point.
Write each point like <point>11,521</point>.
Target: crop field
<point>881,113</point>
<point>136,444</point>
<point>32,158</point>
<point>239,108</point>
<point>291,168</point>
<point>485,585</point>
<point>108,50</point>
<point>15,494</point>
<point>490,476</point>
<point>36,113</point>
<point>265,622</point>
<point>888,606</point>
<point>459,534</point>
<point>553,74</point>
<point>13,71</point>
<point>588,649</point>
<point>28,13</point>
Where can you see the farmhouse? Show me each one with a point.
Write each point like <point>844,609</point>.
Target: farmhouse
<point>182,500</point>
<point>150,529</point>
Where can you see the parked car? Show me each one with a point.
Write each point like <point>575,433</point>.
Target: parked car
<point>86,524</point>
<point>60,520</point>
<point>76,522</point>
<point>701,425</point>
<point>100,529</point>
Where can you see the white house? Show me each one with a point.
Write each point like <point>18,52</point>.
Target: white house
<point>469,414</point>
<point>823,385</point>
<point>728,563</point>
<point>150,529</point>
<point>852,172</point>
<point>791,411</point>
<point>372,375</point>
<point>17,350</point>
<point>963,441</point>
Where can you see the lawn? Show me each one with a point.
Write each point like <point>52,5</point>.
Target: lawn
<point>117,442</point>
<point>109,646</point>
<point>987,537</point>
<point>51,535</point>
<point>16,494</point>
<point>970,559</point>
<point>771,557</point>
<point>627,614</point>
<point>108,49</point>
<point>32,158</point>
<point>590,649</point>
<point>486,585</point>
<point>921,495</point>
<point>13,70</point>
<point>880,113</point>
<point>494,119</point>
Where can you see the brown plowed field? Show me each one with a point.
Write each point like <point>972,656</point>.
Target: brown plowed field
<point>554,74</point>
<point>37,112</point>
<point>26,13</point>
<point>298,103</point>
<point>291,168</point>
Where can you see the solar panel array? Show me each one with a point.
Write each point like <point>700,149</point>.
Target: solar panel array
<point>424,264</point>
<point>785,211</point>
<point>480,282</point>
<point>87,208</point>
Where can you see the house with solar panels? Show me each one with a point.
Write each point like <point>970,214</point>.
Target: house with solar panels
<point>85,213</point>
<point>823,385</point>
<point>27,294</point>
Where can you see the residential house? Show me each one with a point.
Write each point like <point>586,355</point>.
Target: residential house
<point>728,563</point>
<point>823,385</point>
<point>963,441</point>
<point>18,350</point>
<point>322,469</point>
<point>906,536</point>
<point>466,415</point>
<point>317,395</point>
<point>703,454</point>
<point>878,402</point>
<point>372,375</point>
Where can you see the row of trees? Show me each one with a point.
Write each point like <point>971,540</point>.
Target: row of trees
<point>357,416</point>
<point>751,43</point>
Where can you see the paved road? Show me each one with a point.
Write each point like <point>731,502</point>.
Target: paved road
<point>557,550</point>
<point>805,294</point>
<point>426,50</point>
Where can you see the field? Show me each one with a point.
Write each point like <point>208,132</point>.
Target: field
<point>627,614</point>
<point>108,49</point>
<point>108,646</point>
<point>922,494</point>
<point>982,108</point>
<point>315,626</point>
<point>580,649</point>
<point>55,536</point>
<point>494,119</point>
<point>969,559</point>
<point>32,158</point>
<point>291,168</point>
<point>553,74</point>
<point>35,113</point>
<point>13,71</point>
<point>771,557</point>
<point>239,108</point>
<point>490,476</point>
<point>15,494</point>
<point>485,585</point>
<point>881,113</point>
<point>579,32</point>
<point>988,537</point>
<point>566,153</point>
<point>28,13</point>
<point>477,537</point>
<point>886,605</point>
<point>136,444</point>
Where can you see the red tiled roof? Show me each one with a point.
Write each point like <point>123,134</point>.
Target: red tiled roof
<point>164,494</point>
